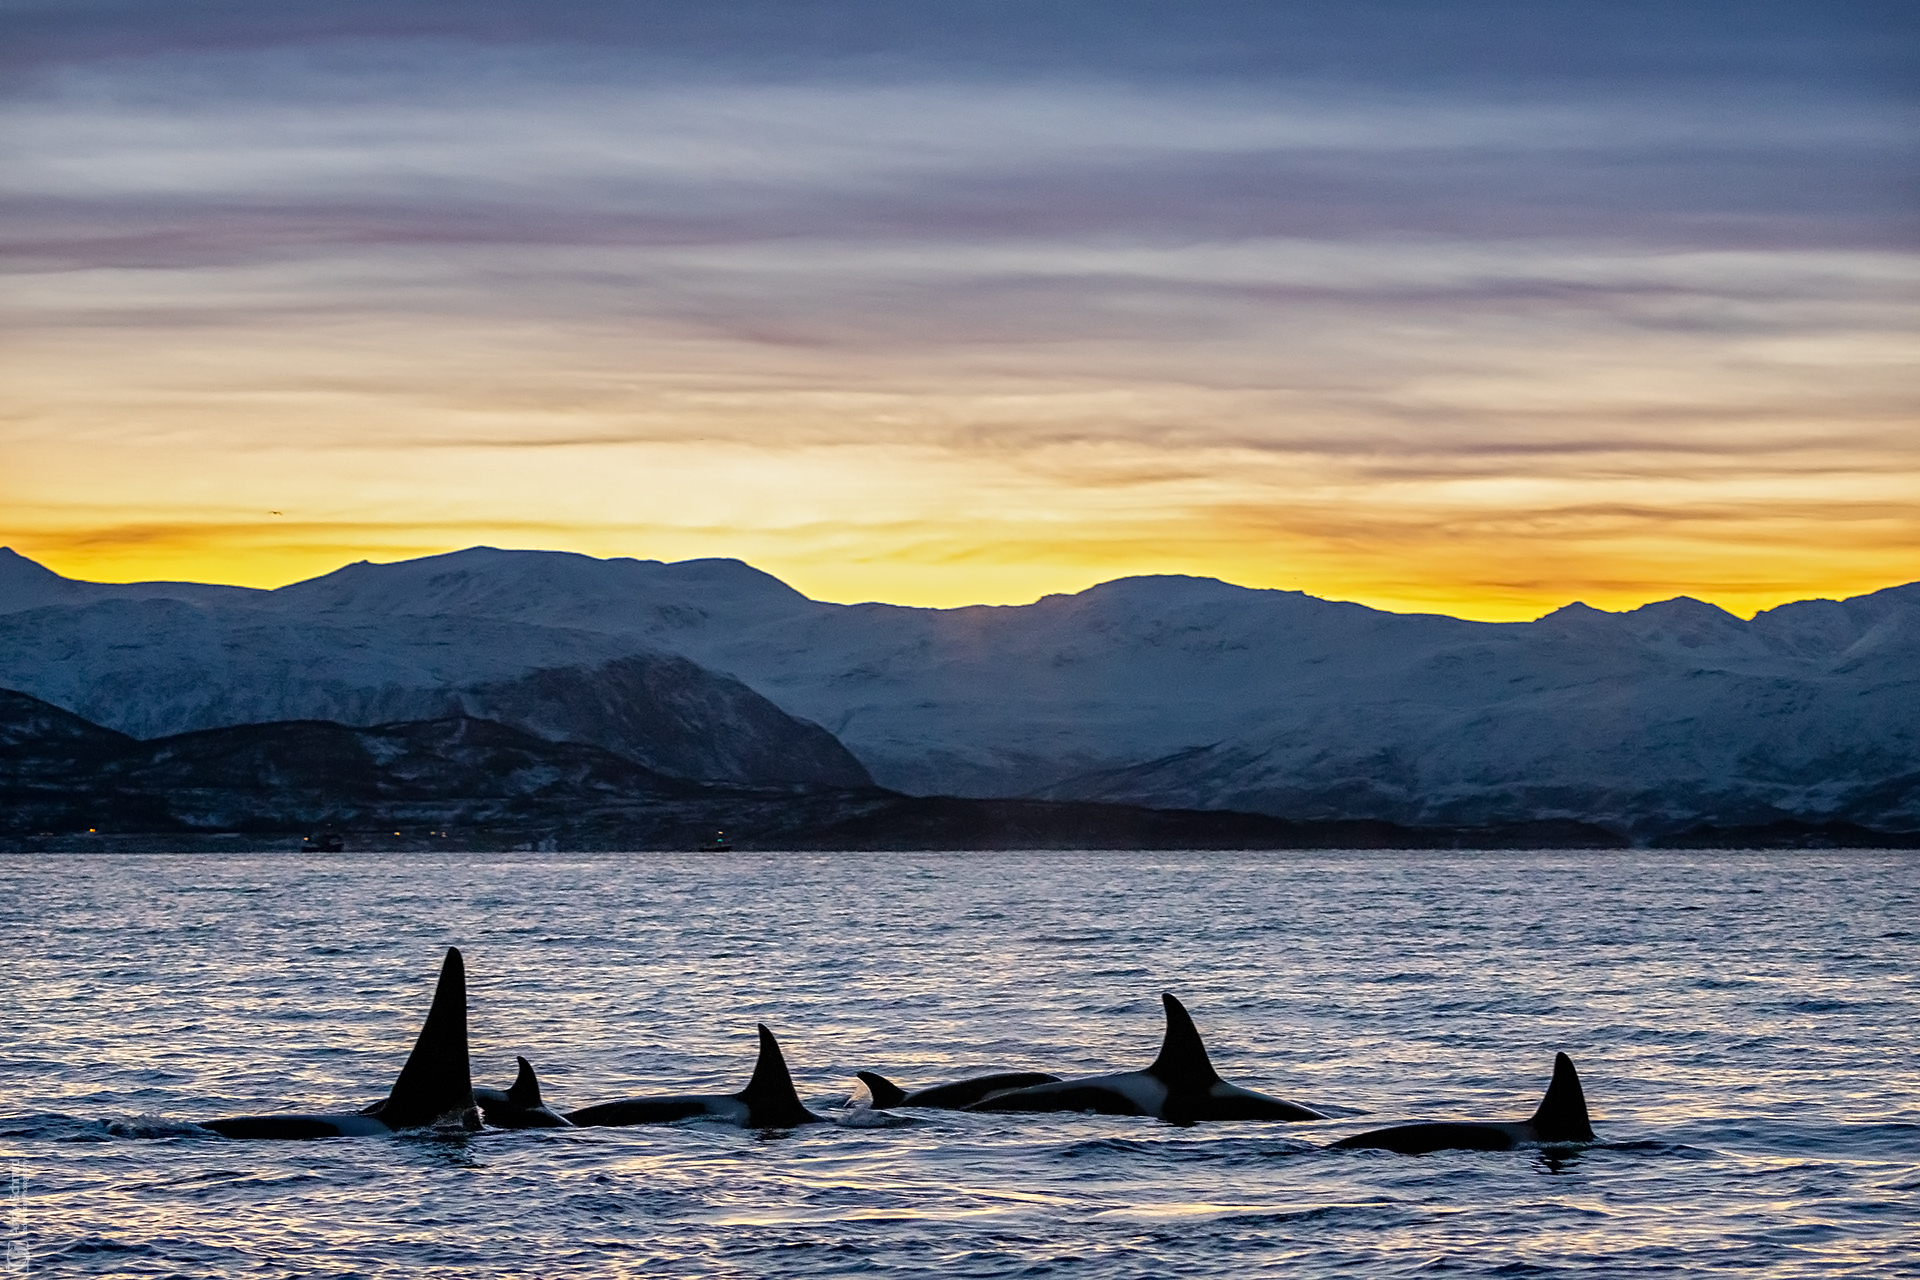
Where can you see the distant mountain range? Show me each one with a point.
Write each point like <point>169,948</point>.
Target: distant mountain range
<point>1172,692</point>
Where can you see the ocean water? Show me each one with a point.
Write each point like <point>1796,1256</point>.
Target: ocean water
<point>1745,1024</point>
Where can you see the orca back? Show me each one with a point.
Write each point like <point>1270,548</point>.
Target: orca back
<point>772,1102</point>
<point>1419,1139</point>
<point>885,1092</point>
<point>632,1111</point>
<point>1183,1063</point>
<point>1562,1116</point>
<point>437,1078</point>
<point>295,1127</point>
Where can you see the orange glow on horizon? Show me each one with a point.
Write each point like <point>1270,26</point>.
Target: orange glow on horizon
<point>1485,574</point>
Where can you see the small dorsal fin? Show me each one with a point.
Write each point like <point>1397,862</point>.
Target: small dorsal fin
<point>885,1092</point>
<point>1562,1116</point>
<point>771,1100</point>
<point>526,1086</point>
<point>1183,1058</point>
<point>437,1078</point>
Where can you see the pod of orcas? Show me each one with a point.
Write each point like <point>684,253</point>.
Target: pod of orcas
<point>435,1090</point>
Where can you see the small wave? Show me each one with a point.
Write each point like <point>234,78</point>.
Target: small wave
<point>1215,1148</point>
<point>1817,1006</point>
<point>151,1126</point>
<point>1248,1154</point>
<point>1673,1036</point>
<point>219,888</point>
<point>1653,1147</point>
<point>1309,1213</point>
<point>107,1251</point>
<point>1895,1139</point>
<point>596,1206</point>
<point>1236,1214</point>
<point>1094,1148</point>
<point>91,1244</point>
<point>868,1118</point>
<point>55,1127</point>
<point>205,1179</point>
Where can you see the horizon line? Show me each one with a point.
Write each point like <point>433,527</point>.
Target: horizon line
<point>364,560</point>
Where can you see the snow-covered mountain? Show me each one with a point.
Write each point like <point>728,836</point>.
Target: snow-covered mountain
<point>1165,690</point>
<point>163,658</point>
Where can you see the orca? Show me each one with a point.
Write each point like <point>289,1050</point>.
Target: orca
<point>1181,1087</point>
<point>953,1096</point>
<point>519,1106</point>
<point>768,1101</point>
<point>435,1086</point>
<point>1561,1118</point>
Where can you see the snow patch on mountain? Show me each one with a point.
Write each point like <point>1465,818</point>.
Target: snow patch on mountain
<point>155,665</point>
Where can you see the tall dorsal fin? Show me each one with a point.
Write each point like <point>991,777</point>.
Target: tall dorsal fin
<point>1183,1058</point>
<point>437,1078</point>
<point>885,1092</point>
<point>525,1091</point>
<point>771,1100</point>
<point>1562,1116</point>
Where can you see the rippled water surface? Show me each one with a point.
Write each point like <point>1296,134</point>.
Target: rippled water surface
<point>1746,1026</point>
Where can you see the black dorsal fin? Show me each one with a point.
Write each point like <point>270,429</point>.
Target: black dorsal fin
<point>526,1086</point>
<point>885,1092</point>
<point>437,1078</point>
<point>771,1100</point>
<point>1562,1116</point>
<point>1183,1058</point>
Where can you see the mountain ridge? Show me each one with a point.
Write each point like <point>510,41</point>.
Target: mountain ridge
<point>150,664</point>
<point>1188,692</point>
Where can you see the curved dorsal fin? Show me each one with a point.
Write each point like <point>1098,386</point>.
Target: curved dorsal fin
<point>771,1100</point>
<point>1183,1058</point>
<point>885,1092</point>
<point>526,1086</point>
<point>437,1078</point>
<point>1562,1116</point>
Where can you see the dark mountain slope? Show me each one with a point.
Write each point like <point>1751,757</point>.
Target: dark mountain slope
<point>490,784</point>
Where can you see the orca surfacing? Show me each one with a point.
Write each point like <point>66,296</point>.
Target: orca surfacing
<point>1181,1087</point>
<point>519,1105</point>
<point>768,1102</point>
<point>435,1087</point>
<point>956,1095</point>
<point>1560,1118</point>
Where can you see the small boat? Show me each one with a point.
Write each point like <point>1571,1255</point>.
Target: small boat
<point>719,844</point>
<point>328,843</point>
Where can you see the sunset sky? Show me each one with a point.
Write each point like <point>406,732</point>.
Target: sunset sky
<point>1469,307</point>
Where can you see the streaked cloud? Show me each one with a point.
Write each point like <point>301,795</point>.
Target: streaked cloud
<point>952,322</point>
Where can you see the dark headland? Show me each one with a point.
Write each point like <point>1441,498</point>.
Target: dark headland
<point>67,784</point>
